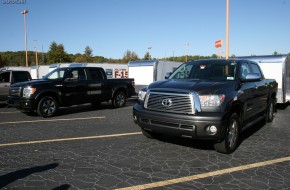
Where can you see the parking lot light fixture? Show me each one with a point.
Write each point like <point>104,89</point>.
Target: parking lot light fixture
<point>24,12</point>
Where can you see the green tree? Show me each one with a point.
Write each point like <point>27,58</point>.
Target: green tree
<point>130,56</point>
<point>275,53</point>
<point>57,54</point>
<point>2,63</point>
<point>88,52</point>
<point>147,56</point>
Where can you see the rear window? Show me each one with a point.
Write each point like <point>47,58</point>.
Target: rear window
<point>20,77</point>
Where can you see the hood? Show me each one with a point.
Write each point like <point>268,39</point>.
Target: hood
<point>33,83</point>
<point>199,86</point>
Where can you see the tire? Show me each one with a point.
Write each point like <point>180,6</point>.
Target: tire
<point>148,134</point>
<point>119,100</point>
<point>47,106</point>
<point>232,136</point>
<point>270,111</point>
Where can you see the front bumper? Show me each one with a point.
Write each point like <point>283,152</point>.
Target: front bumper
<point>193,126</point>
<point>22,104</point>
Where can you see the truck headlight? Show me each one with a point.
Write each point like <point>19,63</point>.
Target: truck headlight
<point>141,95</point>
<point>211,100</point>
<point>28,91</point>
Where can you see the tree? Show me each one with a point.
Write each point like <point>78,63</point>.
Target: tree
<point>57,54</point>
<point>147,56</point>
<point>2,63</point>
<point>275,53</point>
<point>130,56</point>
<point>88,52</point>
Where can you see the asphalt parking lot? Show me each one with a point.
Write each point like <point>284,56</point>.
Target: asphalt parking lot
<point>88,148</point>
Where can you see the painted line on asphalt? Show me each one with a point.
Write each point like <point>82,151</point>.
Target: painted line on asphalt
<point>50,120</point>
<point>206,175</point>
<point>9,112</point>
<point>70,139</point>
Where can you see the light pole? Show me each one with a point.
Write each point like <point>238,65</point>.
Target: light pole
<point>149,48</point>
<point>36,57</point>
<point>186,47</point>
<point>227,27</point>
<point>24,12</point>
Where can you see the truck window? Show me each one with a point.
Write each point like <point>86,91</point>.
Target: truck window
<point>244,70</point>
<point>5,77</point>
<point>208,70</point>
<point>95,74</point>
<point>20,77</point>
<point>77,74</point>
<point>255,68</point>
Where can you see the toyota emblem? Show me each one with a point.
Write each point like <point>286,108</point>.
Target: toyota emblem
<point>167,102</point>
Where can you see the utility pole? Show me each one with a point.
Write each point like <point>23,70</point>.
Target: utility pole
<point>186,47</point>
<point>36,57</point>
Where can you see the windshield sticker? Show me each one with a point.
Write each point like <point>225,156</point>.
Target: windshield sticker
<point>230,78</point>
<point>202,66</point>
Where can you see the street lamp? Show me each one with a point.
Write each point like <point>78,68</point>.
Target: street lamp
<point>149,48</point>
<point>24,12</point>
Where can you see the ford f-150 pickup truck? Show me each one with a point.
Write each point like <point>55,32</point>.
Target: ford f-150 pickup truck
<point>69,86</point>
<point>207,99</point>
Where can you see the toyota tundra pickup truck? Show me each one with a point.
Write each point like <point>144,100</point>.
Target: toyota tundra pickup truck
<point>68,86</point>
<point>212,99</point>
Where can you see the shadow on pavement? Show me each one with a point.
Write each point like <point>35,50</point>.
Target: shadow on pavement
<point>62,187</point>
<point>20,174</point>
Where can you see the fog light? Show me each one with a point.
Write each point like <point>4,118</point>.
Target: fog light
<point>135,118</point>
<point>212,130</point>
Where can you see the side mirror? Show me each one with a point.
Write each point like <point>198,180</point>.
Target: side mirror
<point>252,77</point>
<point>167,75</point>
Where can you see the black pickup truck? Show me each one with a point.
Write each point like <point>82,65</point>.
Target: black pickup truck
<point>207,99</point>
<point>69,86</point>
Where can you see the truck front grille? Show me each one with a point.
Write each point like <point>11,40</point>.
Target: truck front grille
<point>15,91</point>
<point>170,102</point>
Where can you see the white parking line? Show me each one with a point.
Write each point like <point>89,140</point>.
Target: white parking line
<point>52,120</point>
<point>70,139</point>
<point>9,112</point>
<point>206,175</point>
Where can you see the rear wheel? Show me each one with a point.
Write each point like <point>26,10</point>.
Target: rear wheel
<point>270,110</point>
<point>232,136</point>
<point>47,106</point>
<point>119,99</point>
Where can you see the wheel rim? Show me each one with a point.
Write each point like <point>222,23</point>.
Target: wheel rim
<point>48,107</point>
<point>120,99</point>
<point>232,134</point>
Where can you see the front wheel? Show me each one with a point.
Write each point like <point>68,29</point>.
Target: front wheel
<point>47,106</point>
<point>232,136</point>
<point>119,100</point>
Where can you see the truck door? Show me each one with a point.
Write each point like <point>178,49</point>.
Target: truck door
<point>4,85</point>
<point>261,88</point>
<point>74,87</point>
<point>97,89</point>
<point>249,93</point>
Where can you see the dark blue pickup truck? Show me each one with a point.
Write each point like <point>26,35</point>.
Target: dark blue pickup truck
<point>69,86</point>
<point>207,99</point>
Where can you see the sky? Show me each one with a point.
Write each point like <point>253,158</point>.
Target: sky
<point>110,27</point>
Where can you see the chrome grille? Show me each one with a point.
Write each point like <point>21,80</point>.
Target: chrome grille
<point>15,91</point>
<point>170,102</point>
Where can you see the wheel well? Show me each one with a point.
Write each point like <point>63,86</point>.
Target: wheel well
<point>48,94</point>
<point>238,110</point>
<point>119,90</point>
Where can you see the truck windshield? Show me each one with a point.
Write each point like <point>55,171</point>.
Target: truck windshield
<point>55,74</point>
<point>218,70</point>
